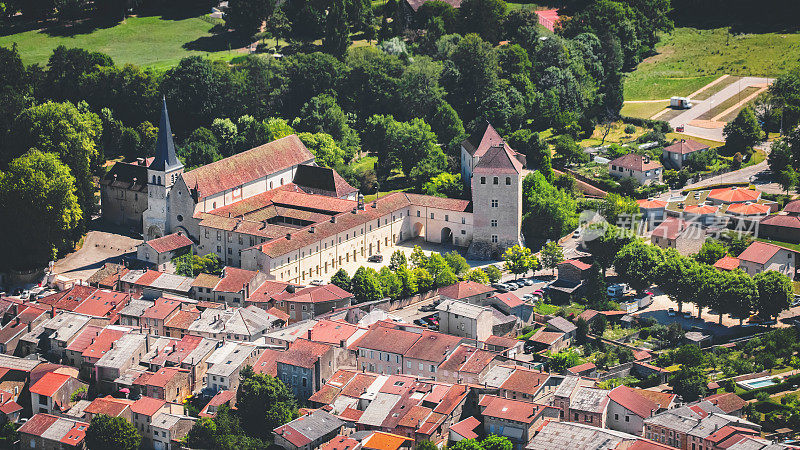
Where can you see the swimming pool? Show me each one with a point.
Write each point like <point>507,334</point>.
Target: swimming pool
<point>756,383</point>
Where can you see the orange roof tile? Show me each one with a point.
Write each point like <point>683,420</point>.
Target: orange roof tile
<point>734,195</point>
<point>49,384</point>
<point>385,441</point>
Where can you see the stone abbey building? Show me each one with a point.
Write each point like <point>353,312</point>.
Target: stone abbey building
<point>272,209</point>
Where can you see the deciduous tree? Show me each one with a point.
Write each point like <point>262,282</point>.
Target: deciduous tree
<point>112,432</point>
<point>775,293</point>
<point>552,255</point>
<point>519,260</point>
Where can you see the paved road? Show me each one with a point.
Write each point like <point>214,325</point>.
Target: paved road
<point>714,134</point>
<point>98,247</point>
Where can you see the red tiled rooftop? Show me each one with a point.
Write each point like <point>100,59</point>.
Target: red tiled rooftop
<point>525,380</point>
<point>102,343</point>
<point>303,353</point>
<point>49,384</point>
<point>161,377</point>
<point>759,252</point>
<point>315,294</point>
<point>684,147</point>
<point>578,264</point>
<point>547,337</point>
<point>148,278</point>
<point>635,162</point>
<point>671,228</point>
<point>734,195</point>
<point>433,346</point>
<point>509,299</point>
<point>466,428</point>
<point>108,406</point>
<point>581,368</point>
<point>464,289</point>
<point>247,166</point>
<point>182,319</point>
<point>507,409</point>
<point>701,209</point>
<point>497,160</point>
<point>340,443</point>
<point>102,302</point>
<point>782,220</point>
<point>267,363</point>
<point>85,338</point>
<point>631,400</point>
<point>651,204</point>
<point>728,402</point>
<point>387,339</point>
<point>169,242</point>
<point>748,209</point>
<point>147,406</point>
<point>504,342</point>
<point>282,315</point>
<point>727,263</point>
<point>234,279</point>
<point>267,291</point>
<point>162,308</point>
<point>332,332</point>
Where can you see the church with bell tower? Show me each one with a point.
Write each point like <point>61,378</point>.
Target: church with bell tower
<point>162,173</point>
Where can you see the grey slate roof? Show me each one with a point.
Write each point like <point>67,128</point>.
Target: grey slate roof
<point>316,425</point>
<point>165,159</point>
<point>577,436</point>
<point>589,399</point>
<point>562,324</point>
<point>462,308</point>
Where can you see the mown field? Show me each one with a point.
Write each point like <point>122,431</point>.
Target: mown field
<point>689,58</point>
<point>152,41</point>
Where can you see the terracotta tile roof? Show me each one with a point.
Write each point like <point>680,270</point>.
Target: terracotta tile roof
<point>340,443</point>
<point>102,302</point>
<point>734,195</point>
<point>355,388</point>
<point>728,402</point>
<point>332,332</point>
<point>685,146</point>
<point>70,299</point>
<point>169,242</point>
<point>467,359</point>
<point>267,291</point>
<point>387,339</point>
<point>205,280</point>
<point>792,207</point>
<point>322,178</point>
<point>480,141</point>
<point>525,380</point>
<point>147,406</point>
<point>206,305</point>
<point>547,337</point>
<point>646,444</point>
<point>781,220</point>
<point>464,289</point>
<point>651,204</point>
<point>234,279</point>
<point>351,414</point>
<point>671,228</point>
<point>249,165</point>
<point>85,338</point>
<point>103,342</point>
<point>701,209</point>
<point>176,351</point>
<point>221,398</point>
<point>267,363</point>
<point>315,294</point>
<point>303,353</point>
<point>107,405</point>
<point>500,341</point>
<point>450,204</point>
<point>466,428</point>
<point>581,368</point>
<point>433,346</point>
<point>587,315</point>
<point>748,209</point>
<point>161,377</point>
<point>147,278</point>
<point>504,408</point>
<point>279,314</point>
<point>631,400</point>
<point>727,263</point>
<point>641,354</point>
<point>49,384</point>
<point>509,299</point>
<point>385,441</point>
<point>499,159</point>
<point>580,265</point>
<point>635,162</point>
<point>325,395</point>
<point>162,308</point>
<point>10,407</point>
<point>661,399</point>
<point>182,319</point>
<point>760,252</point>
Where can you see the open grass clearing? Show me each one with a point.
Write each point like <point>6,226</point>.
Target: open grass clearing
<point>642,110</point>
<point>789,245</point>
<point>671,114</point>
<point>152,41</point>
<point>715,110</point>
<point>722,84</point>
<point>690,58</point>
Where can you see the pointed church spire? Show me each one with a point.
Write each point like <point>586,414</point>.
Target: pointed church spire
<point>165,159</point>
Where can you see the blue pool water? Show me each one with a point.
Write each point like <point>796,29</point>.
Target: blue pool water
<point>760,383</point>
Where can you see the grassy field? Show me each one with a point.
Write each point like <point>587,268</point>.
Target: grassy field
<point>643,110</point>
<point>722,84</point>
<point>151,41</point>
<point>689,58</point>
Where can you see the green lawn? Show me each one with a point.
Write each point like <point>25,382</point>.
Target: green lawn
<point>642,110</point>
<point>789,245</point>
<point>146,41</point>
<point>689,58</point>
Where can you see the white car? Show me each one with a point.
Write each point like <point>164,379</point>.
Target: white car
<point>317,282</point>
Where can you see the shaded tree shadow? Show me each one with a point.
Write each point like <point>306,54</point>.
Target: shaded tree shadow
<point>177,10</point>
<point>81,27</point>
<point>217,43</point>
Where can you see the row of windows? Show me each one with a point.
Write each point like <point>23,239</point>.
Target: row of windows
<point>496,180</point>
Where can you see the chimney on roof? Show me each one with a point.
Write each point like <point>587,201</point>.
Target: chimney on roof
<point>333,219</point>
<point>312,229</point>
<point>355,210</point>
<point>288,236</point>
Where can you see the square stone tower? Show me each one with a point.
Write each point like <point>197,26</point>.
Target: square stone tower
<point>496,203</point>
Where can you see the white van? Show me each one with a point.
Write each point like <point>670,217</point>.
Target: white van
<point>618,290</point>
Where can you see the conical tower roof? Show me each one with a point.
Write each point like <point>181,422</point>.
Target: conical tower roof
<point>165,159</point>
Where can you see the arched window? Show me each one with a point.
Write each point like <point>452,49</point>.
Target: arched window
<point>281,181</point>
<point>159,180</point>
<point>270,184</point>
<point>154,179</point>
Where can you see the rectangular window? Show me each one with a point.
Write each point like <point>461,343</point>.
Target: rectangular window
<point>483,180</point>
<point>431,215</point>
<point>495,203</point>
<point>496,180</point>
<point>494,222</point>
<point>494,238</point>
<point>417,213</point>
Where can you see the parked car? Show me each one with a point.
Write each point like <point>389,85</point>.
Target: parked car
<point>317,282</point>
<point>687,315</point>
<point>419,322</point>
<point>512,286</point>
<point>427,308</point>
<point>500,287</point>
<point>375,258</point>
<point>528,297</point>
<point>527,281</point>
<point>538,292</point>
<point>618,290</point>
<point>671,312</point>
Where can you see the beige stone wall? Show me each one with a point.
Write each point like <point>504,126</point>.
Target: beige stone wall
<point>122,206</point>
<point>497,210</point>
